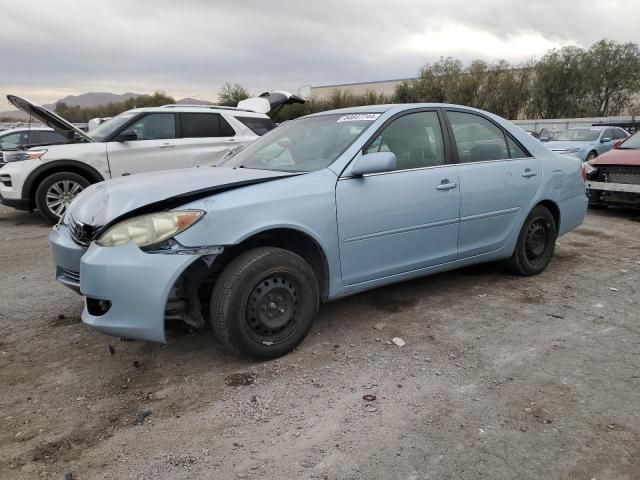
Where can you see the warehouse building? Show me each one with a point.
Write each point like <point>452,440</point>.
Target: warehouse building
<point>386,87</point>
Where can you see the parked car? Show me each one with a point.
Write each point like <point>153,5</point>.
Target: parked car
<point>324,206</point>
<point>614,178</point>
<point>25,137</point>
<point>136,141</point>
<point>587,143</point>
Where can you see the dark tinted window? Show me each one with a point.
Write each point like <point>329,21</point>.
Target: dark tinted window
<point>416,139</point>
<point>49,138</point>
<point>198,125</point>
<point>259,126</point>
<point>476,138</point>
<point>155,126</point>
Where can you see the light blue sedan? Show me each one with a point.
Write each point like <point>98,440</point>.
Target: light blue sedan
<point>587,143</point>
<point>322,207</point>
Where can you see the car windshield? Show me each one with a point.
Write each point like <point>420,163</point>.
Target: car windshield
<point>104,130</point>
<point>303,145</point>
<point>579,135</point>
<point>633,142</point>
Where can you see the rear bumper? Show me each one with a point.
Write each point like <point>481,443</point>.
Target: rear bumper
<point>572,212</point>
<point>135,285</point>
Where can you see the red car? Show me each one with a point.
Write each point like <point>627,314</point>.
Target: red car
<point>614,177</point>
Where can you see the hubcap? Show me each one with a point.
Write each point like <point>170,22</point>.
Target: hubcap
<point>272,308</point>
<point>536,240</point>
<point>60,194</point>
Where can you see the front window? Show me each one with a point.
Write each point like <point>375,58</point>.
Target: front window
<point>579,135</point>
<point>633,143</point>
<point>107,128</point>
<point>303,145</point>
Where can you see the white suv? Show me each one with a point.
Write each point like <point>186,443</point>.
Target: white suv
<point>139,140</point>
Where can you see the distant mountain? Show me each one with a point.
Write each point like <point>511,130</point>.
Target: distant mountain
<point>193,101</point>
<point>92,99</point>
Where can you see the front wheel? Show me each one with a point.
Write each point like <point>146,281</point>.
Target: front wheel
<point>55,193</point>
<point>264,303</point>
<point>536,243</point>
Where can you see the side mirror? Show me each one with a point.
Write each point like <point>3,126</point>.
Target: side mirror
<point>376,162</point>
<point>127,136</point>
<point>605,140</point>
<point>544,135</point>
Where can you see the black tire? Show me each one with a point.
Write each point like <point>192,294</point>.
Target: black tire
<point>62,181</point>
<point>264,303</point>
<point>591,156</point>
<point>536,243</point>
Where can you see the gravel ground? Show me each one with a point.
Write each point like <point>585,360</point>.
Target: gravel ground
<point>501,377</point>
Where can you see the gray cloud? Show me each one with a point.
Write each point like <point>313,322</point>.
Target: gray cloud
<point>191,47</point>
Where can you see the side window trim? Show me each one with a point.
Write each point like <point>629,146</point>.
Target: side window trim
<point>505,134</point>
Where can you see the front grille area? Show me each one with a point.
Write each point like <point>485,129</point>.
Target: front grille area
<point>82,233</point>
<point>628,175</point>
<point>70,275</point>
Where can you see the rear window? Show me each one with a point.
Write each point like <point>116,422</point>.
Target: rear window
<point>259,126</point>
<point>197,125</point>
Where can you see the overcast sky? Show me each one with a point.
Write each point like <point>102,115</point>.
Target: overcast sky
<point>49,49</point>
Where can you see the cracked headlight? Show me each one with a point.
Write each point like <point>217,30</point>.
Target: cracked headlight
<point>149,229</point>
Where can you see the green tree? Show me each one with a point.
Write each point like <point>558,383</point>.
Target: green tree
<point>78,114</point>
<point>560,84</point>
<point>612,72</point>
<point>231,94</point>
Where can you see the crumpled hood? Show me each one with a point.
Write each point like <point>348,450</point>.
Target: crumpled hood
<point>559,145</point>
<point>100,204</point>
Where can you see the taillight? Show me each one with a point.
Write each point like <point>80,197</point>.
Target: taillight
<point>583,170</point>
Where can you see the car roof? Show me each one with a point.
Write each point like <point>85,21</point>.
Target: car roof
<point>200,109</point>
<point>396,107</point>
<point>23,129</point>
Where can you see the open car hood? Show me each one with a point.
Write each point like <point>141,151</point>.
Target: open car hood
<point>268,102</point>
<point>102,203</point>
<point>47,117</point>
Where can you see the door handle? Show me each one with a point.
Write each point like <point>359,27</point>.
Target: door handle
<point>446,186</point>
<point>167,145</point>
<point>231,140</point>
<point>529,173</point>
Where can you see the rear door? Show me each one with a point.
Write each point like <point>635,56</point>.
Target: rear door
<point>498,181</point>
<point>154,149</point>
<point>206,137</point>
<point>396,222</point>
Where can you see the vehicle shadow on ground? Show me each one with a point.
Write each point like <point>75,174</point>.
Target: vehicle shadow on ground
<point>12,217</point>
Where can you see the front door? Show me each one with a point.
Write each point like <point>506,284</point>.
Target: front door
<point>155,148</point>
<point>396,222</point>
<point>498,181</point>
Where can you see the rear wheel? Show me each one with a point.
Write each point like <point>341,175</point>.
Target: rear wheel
<point>264,303</point>
<point>536,243</point>
<point>55,193</point>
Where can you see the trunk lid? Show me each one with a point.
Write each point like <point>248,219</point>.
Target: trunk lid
<point>268,102</point>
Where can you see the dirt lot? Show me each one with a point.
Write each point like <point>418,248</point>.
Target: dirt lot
<point>501,377</point>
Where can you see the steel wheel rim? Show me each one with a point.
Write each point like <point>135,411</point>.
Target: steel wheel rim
<point>536,240</point>
<point>272,311</point>
<point>60,194</point>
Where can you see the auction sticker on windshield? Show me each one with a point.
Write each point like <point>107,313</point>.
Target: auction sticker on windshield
<point>357,117</point>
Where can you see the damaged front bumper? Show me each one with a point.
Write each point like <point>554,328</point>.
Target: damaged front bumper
<point>127,289</point>
<point>129,293</point>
